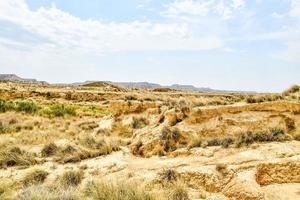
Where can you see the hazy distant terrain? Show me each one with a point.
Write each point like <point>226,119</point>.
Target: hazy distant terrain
<point>98,140</point>
<point>130,85</point>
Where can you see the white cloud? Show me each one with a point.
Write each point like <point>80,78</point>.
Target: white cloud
<point>203,8</point>
<point>238,4</point>
<point>67,31</point>
<point>295,8</point>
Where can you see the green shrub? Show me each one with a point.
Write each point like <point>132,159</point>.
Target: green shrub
<point>6,106</point>
<point>26,106</point>
<point>60,110</point>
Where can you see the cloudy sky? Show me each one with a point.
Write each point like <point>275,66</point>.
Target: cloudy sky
<point>223,44</point>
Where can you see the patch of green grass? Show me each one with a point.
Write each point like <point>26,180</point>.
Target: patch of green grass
<point>96,111</point>
<point>26,106</point>
<point>6,105</point>
<point>59,110</point>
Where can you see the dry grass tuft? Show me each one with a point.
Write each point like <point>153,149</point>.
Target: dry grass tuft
<point>118,191</point>
<point>49,150</point>
<point>178,193</point>
<point>16,157</point>
<point>71,178</point>
<point>35,177</point>
<point>48,193</point>
<point>169,175</point>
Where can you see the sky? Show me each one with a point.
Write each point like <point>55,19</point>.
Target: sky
<point>251,45</point>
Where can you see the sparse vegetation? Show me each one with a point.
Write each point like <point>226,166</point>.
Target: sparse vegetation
<point>71,178</point>
<point>178,193</point>
<point>49,150</point>
<point>59,110</point>
<point>54,139</point>
<point>48,193</point>
<point>169,175</point>
<point>16,157</point>
<point>35,177</point>
<point>139,123</point>
<point>118,191</point>
<point>26,106</point>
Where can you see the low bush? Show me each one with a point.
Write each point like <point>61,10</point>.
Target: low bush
<point>26,106</point>
<point>60,110</point>
<point>6,105</point>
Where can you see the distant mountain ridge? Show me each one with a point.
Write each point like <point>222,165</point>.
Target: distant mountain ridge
<point>151,86</point>
<point>15,78</point>
<point>128,85</point>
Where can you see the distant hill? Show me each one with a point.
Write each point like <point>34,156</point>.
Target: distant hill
<point>118,86</point>
<point>15,78</point>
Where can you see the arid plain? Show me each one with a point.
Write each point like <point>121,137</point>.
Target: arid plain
<point>101,141</point>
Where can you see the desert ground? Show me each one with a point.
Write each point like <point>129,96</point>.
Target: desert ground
<point>103,142</point>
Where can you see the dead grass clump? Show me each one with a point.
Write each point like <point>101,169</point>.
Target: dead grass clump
<point>117,191</point>
<point>35,177</point>
<point>292,89</point>
<point>169,175</point>
<point>136,149</point>
<point>94,149</point>
<point>297,137</point>
<point>221,167</point>
<point>7,189</point>
<point>49,150</point>
<point>88,125</point>
<point>290,124</point>
<point>178,193</point>
<point>170,138</point>
<point>16,157</point>
<point>71,178</point>
<point>195,142</point>
<point>122,130</point>
<point>273,134</point>
<point>139,123</point>
<point>226,142</point>
<point>48,193</point>
<point>169,134</point>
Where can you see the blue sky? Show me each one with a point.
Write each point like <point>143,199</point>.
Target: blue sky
<point>223,44</point>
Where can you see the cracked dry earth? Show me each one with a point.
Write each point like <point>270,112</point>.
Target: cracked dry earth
<point>235,151</point>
